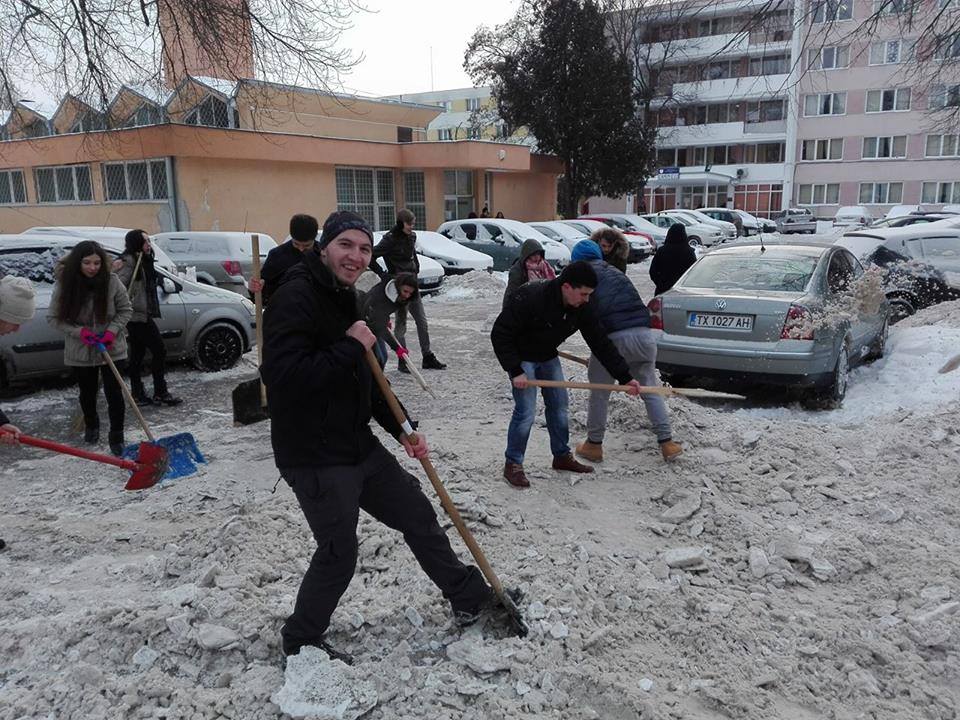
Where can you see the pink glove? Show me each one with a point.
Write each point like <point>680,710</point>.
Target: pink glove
<point>107,338</point>
<point>402,352</point>
<point>88,337</point>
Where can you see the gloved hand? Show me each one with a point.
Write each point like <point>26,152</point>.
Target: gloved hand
<point>89,337</point>
<point>107,338</point>
<point>402,352</point>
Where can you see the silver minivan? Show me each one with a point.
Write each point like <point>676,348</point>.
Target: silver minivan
<point>224,259</point>
<point>210,326</point>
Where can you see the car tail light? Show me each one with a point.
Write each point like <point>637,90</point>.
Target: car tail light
<point>655,307</point>
<point>798,325</point>
<point>232,267</point>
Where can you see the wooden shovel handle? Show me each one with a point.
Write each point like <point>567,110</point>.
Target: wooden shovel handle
<point>258,302</point>
<point>574,358</point>
<point>441,491</point>
<point>126,394</point>
<point>644,389</point>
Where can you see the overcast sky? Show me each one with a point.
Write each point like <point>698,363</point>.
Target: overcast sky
<point>396,42</point>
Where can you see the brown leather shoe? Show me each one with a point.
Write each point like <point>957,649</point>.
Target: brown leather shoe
<point>567,462</point>
<point>590,451</point>
<point>671,450</point>
<point>513,473</point>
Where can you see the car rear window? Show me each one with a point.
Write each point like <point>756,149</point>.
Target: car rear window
<point>35,265</point>
<point>777,274</point>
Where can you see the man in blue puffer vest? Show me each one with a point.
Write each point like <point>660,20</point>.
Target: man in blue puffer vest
<point>626,321</point>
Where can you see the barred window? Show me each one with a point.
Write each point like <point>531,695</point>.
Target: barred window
<point>12,189</point>
<point>369,193</point>
<point>211,111</point>
<point>88,122</point>
<point>130,181</point>
<point>146,114</point>
<point>415,198</point>
<point>63,184</point>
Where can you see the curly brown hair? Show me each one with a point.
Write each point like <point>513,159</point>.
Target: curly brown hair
<point>616,239</point>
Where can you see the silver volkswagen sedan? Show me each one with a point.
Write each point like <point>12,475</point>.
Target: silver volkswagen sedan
<point>210,326</point>
<point>791,315</point>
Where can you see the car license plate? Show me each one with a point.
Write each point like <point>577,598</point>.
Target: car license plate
<point>716,321</point>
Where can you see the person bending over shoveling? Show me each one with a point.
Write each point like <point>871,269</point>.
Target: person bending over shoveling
<point>382,301</point>
<point>322,397</point>
<point>525,337</point>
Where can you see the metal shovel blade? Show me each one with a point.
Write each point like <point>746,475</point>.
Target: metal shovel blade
<point>248,407</point>
<point>152,463</point>
<point>183,455</point>
<point>510,598</point>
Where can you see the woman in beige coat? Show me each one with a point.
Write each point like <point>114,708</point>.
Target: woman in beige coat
<point>91,307</point>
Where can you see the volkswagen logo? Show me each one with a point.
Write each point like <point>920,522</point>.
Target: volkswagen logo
<point>721,304</point>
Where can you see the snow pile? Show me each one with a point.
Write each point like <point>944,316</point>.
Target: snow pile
<point>315,686</point>
<point>473,284</point>
<point>945,314</point>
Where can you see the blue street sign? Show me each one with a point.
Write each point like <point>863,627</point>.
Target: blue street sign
<point>668,171</point>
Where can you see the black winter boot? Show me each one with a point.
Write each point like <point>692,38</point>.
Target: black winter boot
<point>430,362</point>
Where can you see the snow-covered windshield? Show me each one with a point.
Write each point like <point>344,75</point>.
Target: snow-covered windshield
<point>777,274</point>
<point>35,265</point>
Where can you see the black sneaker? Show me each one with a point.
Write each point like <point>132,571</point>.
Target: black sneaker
<point>289,650</point>
<point>402,366</point>
<point>141,399</point>
<point>116,449</point>
<point>92,434</point>
<point>166,399</point>
<point>430,362</point>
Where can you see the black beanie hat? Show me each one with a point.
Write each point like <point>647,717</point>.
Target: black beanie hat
<point>342,220</point>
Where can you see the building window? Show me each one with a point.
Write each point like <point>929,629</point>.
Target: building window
<point>415,197</point>
<point>12,189</point>
<point>36,129</point>
<point>831,10</point>
<point>890,100</point>
<point>942,96</point>
<point>943,146</point>
<point>445,134</point>
<point>881,193</point>
<point>474,103</point>
<point>940,192</point>
<point>828,149</point>
<point>758,200</point>
<point>474,132</point>
<point>404,134</point>
<point>766,111</point>
<point>772,65</point>
<point>825,104</point>
<point>457,194</point>
<point>891,52</point>
<point>210,112</point>
<point>893,7</point>
<point>131,181</point>
<point>890,146</point>
<point>828,58</point>
<point>368,193</point>
<point>828,194</point>
<point>63,184</point>
<point>146,114</point>
<point>88,122</point>
<point>947,47</point>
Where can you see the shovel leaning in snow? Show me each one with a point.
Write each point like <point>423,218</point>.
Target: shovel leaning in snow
<point>250,396</point>
<point>504,596</point>
<point>182,451</point>
<point>644,389</point>
<point>148,467</point>
<point>413,370</point>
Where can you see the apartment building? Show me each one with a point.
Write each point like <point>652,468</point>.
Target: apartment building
<point>868,133</point>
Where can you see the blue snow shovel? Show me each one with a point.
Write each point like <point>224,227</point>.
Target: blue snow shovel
<point>182,451</point>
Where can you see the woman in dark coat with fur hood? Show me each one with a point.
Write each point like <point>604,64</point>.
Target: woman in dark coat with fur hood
<point>671,259</point>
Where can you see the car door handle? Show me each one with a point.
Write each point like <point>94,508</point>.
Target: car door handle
<point>195,311</point>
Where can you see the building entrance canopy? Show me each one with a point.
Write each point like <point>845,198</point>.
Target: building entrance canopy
<point>701,178</point>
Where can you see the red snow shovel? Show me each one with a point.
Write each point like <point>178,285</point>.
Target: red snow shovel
<point>147,469</point>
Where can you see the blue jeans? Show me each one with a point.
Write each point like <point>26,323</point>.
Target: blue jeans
<point>525,411</point>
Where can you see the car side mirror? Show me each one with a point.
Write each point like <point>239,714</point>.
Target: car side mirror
<point>170,287</point>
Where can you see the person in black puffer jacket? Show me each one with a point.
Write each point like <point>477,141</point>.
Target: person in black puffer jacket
<point>303,238</point>
<point>398,248</point>
<point>624,317</point>
<point>322,397</point>
<point>672,259</point>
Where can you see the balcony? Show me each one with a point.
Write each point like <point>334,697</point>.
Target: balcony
<point>730,89</point>
<point>770,127</point>
<point>721,133</point>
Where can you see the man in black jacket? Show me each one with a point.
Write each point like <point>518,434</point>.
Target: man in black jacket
<point>380,302</point>
<point>398,248</point>
<point>322,396</point>
<point>525,337</point>
<point>303,237</point>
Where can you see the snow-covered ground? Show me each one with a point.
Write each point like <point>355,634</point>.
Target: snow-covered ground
<point>792,565</point>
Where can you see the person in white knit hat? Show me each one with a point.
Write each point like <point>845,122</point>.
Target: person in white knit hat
<point>17,305</point>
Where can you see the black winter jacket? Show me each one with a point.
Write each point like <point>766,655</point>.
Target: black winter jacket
<point>534,324</point>
<point>616,303</point>
<point>320,389</point>
<point>671,259</point>
<point>4,420</point>
<point>376,309</point>
<point>279,260</point>
<point>399,253</point>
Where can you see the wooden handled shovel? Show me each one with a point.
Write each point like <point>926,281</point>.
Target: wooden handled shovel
<point>644,389</point>
<point>413,370</point>
<point>516,619</point>
<point>572,357</point>
<point>250,396</point>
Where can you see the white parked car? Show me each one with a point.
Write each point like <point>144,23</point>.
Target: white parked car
<point>852,215</point>
<point>587,227</point>
<point>728,229</point>
<point>698,233</point>
<point>562,232</point>
<point>453,257</point>
<point>631,221</point>
<point>501,239</point>
<point>428,279</point>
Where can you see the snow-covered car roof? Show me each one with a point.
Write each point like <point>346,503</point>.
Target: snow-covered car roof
<point>110,241</point>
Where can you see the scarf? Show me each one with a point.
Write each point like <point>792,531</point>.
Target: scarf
<point>540,271</point>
